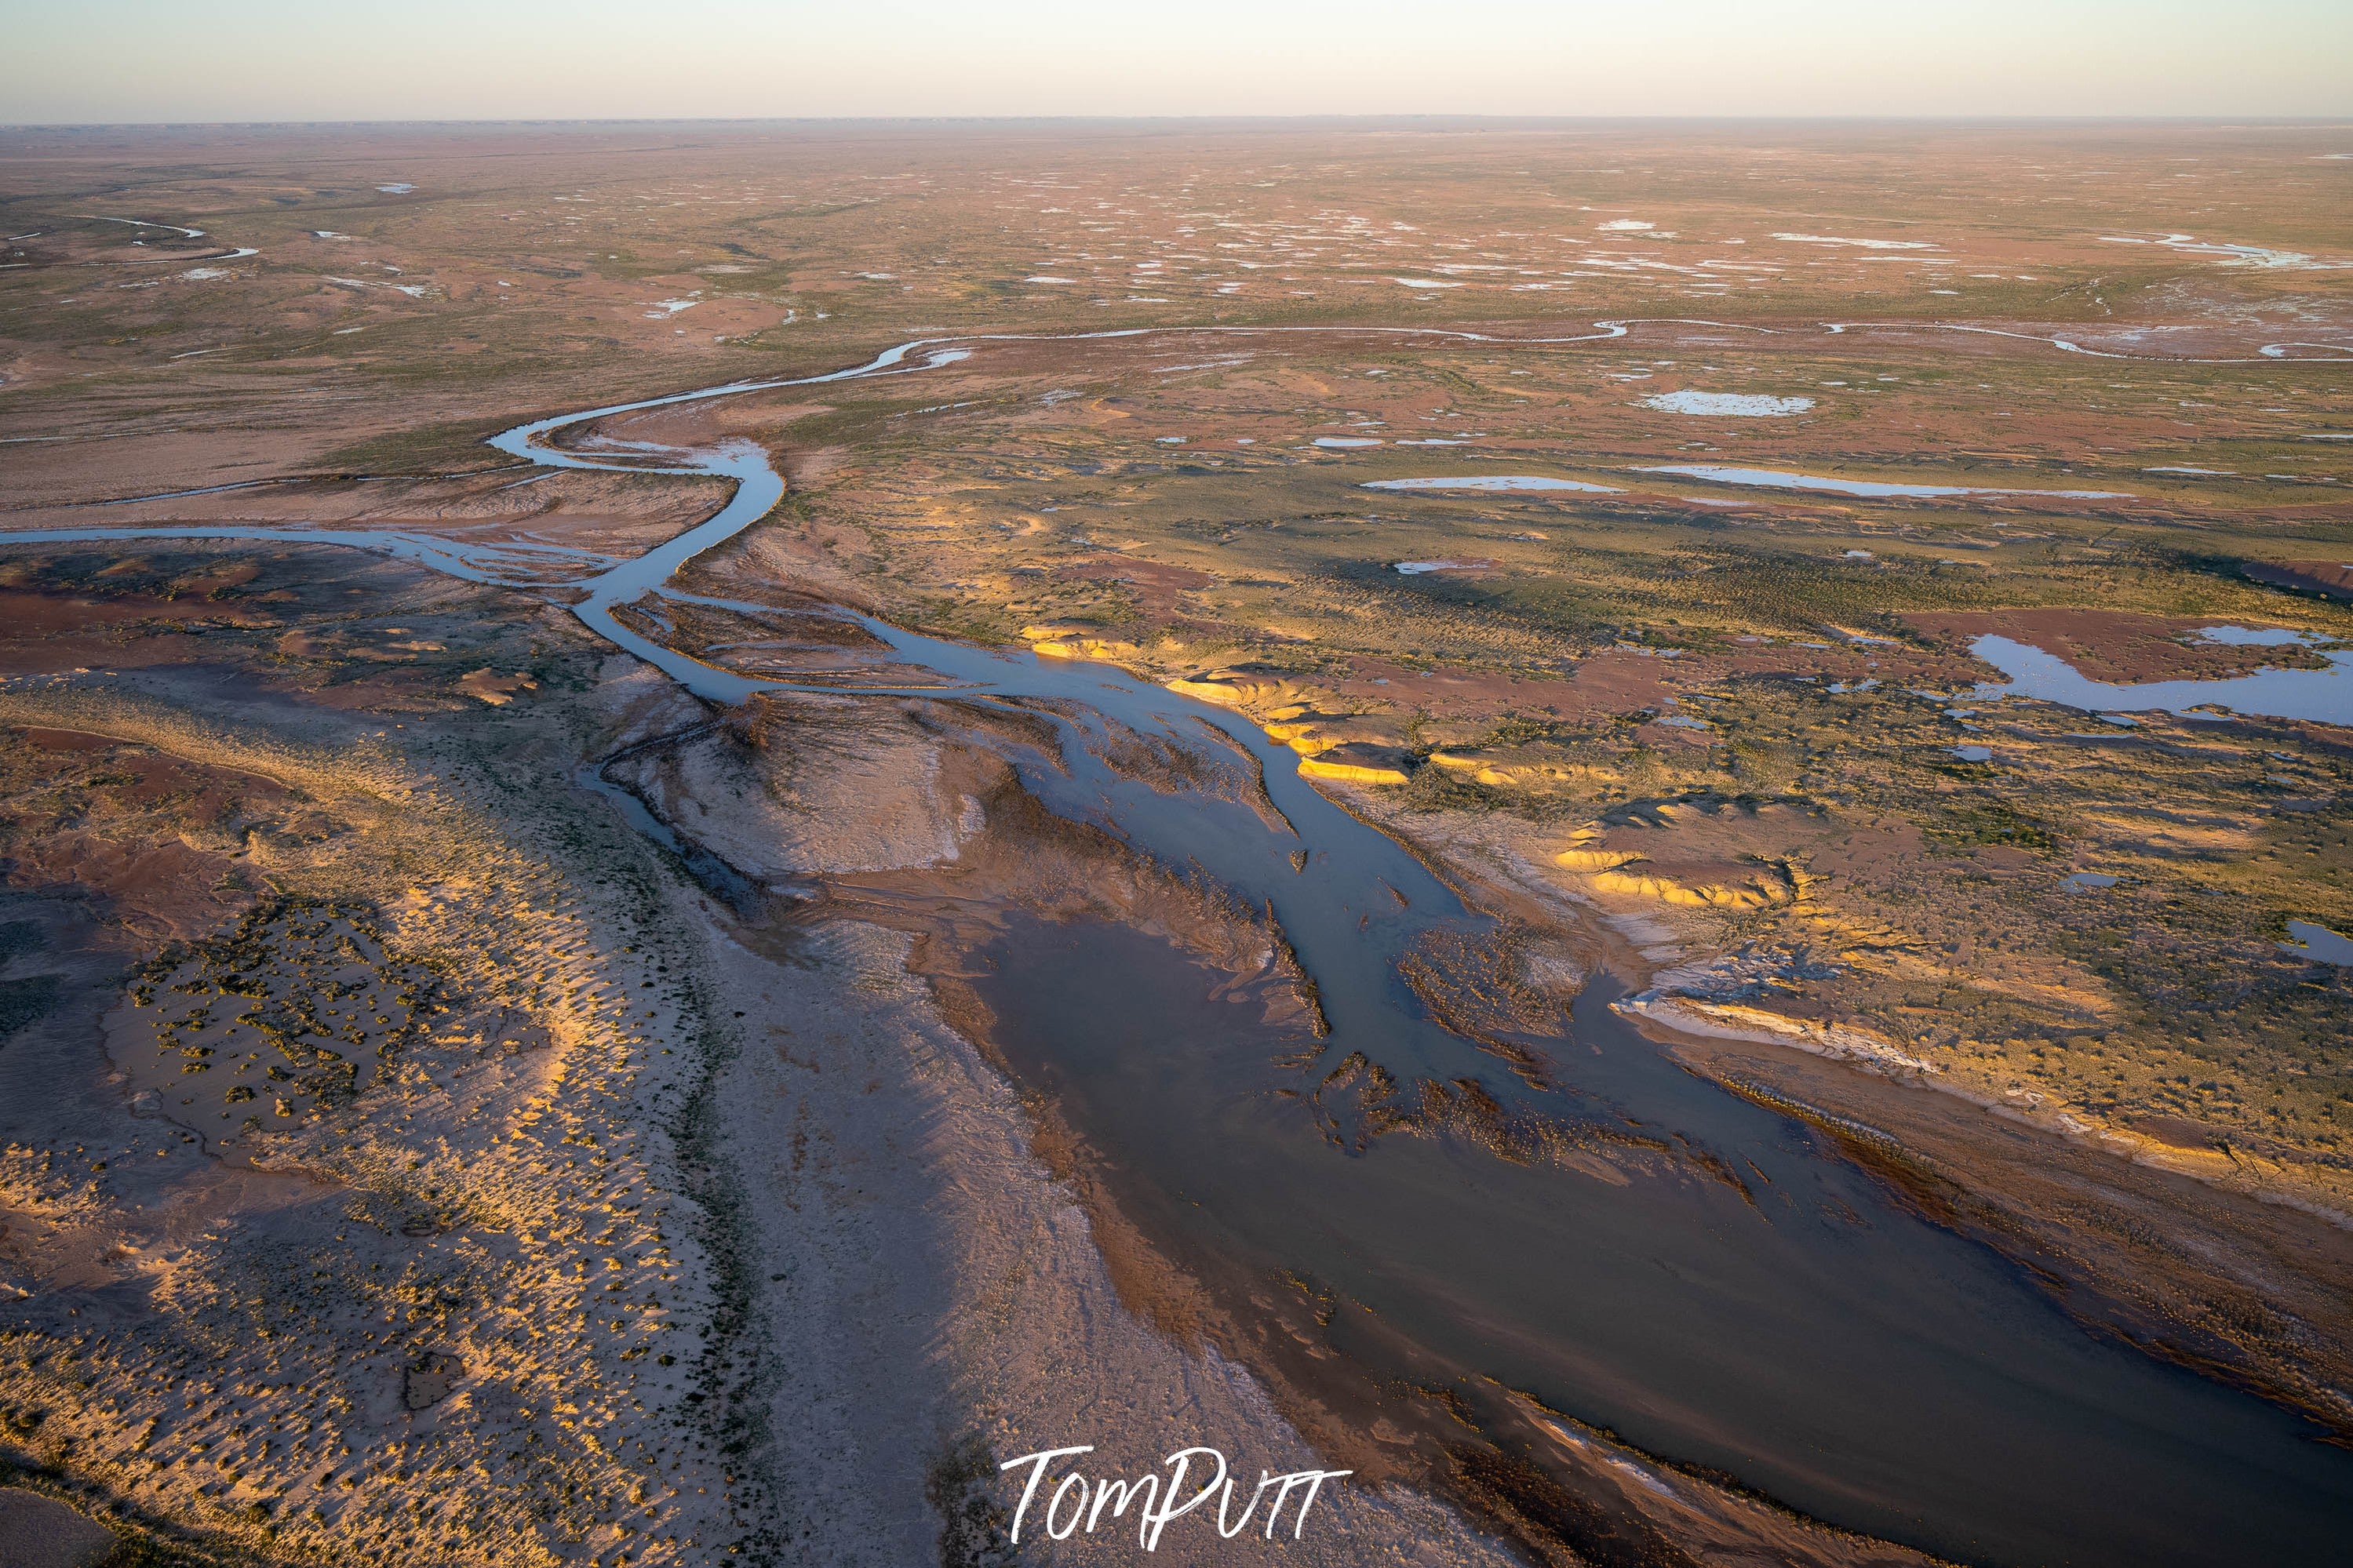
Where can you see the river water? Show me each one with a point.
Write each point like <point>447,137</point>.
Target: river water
<point>1809,1334</point>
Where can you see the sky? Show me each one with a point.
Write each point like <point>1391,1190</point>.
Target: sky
<point>113,61</point>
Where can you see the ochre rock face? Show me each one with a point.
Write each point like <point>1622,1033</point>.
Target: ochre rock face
<point>1591,860</point>
<point>1350,773</point>
<point>1062,641</point>
<point>1234,690</point>
<point>1084,647</point>
<point>1355,762</point>
<point>1521,767</point>
<point>1708,895</point>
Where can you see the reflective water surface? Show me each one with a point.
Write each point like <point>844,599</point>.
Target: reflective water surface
<point>2325,695</point>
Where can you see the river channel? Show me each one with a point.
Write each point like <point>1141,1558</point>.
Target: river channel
<point>1798,1328</point>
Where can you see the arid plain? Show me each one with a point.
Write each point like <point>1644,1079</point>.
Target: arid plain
<point>475,1090</point>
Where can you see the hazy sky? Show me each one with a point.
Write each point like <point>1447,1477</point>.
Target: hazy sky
<point>105,60</point>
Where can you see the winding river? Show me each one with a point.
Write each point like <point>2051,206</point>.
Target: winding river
<point>1797,1328</point>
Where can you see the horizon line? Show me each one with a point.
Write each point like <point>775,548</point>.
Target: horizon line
<point>1368,118</point>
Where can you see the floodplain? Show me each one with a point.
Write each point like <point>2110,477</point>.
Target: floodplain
<point>1572,691</point>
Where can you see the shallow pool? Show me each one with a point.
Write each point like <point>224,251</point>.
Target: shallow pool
<point>2322,695</point>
